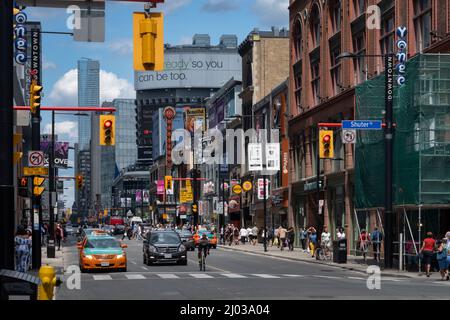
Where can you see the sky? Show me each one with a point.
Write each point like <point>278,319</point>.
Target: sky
<point>183,19</point>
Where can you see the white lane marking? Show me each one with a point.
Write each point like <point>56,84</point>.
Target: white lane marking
<point>292,275</point>
<point>167,276</point>
<point>356,278</point>
<point>145,268</point>
<point>135,277</point>
<point>133,262</point>
<point>326,277</point>
<point>201,276</point>
<point>233,275</point>
<point>102,277</point>
<point>265,276</point>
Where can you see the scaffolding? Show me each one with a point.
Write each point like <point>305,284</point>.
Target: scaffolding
<point>421,146</point>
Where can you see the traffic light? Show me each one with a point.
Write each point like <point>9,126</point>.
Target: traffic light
<point>168,182</point>
<point>35,96</point>
<point>107,130</point>
<point>79,181</point>
<point>326,144</point>
<point>37,186</point>
<point>194,208</point>
<point>22,187</point>
<point>148,41</point>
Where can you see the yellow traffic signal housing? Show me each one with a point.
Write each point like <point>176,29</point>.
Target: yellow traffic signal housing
<point>148,41</point>
<point>107,130</point>
<point>194,208</point>
<point>168,182</point>
<point>79,181</point>
<point>37,181</point>
<point>326,144</point>
<point>35,96</point>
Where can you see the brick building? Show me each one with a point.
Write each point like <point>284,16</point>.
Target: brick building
<point>322,89</point>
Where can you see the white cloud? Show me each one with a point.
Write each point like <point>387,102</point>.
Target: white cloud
<point>69,128</point>
<point>122,46</point>
<point>48,65</point>
<point>65,90</point>
<point>272,12</point>
<point>171,6</point>
<point>220,5</point>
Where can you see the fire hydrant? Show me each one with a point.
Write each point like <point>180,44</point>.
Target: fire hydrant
<point>48,278</point>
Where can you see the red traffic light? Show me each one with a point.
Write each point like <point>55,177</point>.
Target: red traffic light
<point>107,124</point>
<point>326,138</point>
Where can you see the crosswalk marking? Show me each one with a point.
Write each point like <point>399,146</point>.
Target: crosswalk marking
<point>102,277</point>
<point>135,277</point>
<point>266,276</point>
<point>201,276</point>
<point>326,277</point>
<point>233,275</point>
<point>168,276</point>
<point>355,278</point>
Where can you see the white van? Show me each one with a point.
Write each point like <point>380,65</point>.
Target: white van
<point>136,220</point>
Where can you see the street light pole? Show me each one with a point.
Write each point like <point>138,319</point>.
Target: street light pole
<point>51,187</point>
<point>389,159</point>
<point>265,215</point>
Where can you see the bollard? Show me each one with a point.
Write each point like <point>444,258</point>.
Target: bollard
<point>47,275</point>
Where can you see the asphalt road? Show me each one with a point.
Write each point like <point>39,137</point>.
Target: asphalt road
<point>233,275</point>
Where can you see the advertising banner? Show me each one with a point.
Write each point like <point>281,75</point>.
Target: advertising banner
<point>234,204</point>
<point>160,187</point>
<point>61,153</point>
<point>146,196</point>
<point>273,156</point>
<point>138,196</point>
<point>195,119</point>
<point>261,189</point>
<point>255,161</point>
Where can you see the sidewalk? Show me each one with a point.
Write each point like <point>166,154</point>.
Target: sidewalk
<point>57,262</point>
<point>354,263</point>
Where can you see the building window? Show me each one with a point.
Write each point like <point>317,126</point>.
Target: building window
<point>422,23</point>
<point>335,15</point>
<point>359,47</point>
<point>298,40</point>
<point>298,90</point>
<point>336,69</point>
<point>360,7</point>
<point>315,26</point>
<point>387,39</point>
<point>315,81</point>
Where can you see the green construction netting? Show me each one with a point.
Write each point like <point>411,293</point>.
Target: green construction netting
<point>421,141</point>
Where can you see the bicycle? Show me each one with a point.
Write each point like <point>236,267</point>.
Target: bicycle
<point>324,253</point>
<point>202,261</point>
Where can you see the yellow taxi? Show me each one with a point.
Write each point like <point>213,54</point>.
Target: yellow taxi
<point>102,252</point>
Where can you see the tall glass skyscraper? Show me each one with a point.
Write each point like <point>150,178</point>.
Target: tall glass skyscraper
<point>88,95</point>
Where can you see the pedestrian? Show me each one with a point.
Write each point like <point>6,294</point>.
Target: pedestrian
<point>125,232</point>
<point>376,237</point>
<point>236,235</point>
<point>222,235</point>
<point>255,235</point>
<point>427,251</point>
<point>447,246</point>
<point>282,232</point>
<point>312,237</point>
<point>291,238</point>
<point>249,234</point>
<point>364,243</point>
<point>441,257</point>
<point>302,235</point>
<point>59,235</point>
<point>276,237</point>
<point>22,249</point>
<point>243,234</point>
<point>44,234</point>
<point>340,234</point>
<point>270,236</point>
<point>325,240</point>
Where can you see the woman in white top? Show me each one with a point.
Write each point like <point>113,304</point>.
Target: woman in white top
<point>243,234</point>
<point>340,234</point>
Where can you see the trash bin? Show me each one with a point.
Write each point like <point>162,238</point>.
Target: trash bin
<point>18,286</point>
<point>340,251</point>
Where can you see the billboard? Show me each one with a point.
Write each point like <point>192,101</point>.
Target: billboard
<point>195,119</point>
<point>188,69</point>
<point>61,153</point>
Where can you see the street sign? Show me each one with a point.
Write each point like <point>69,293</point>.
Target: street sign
<point>255,161</point>
<point>37,181</point>
<point>348,136</point>
<point>37,191</point>
<point>237,189</point>
<point>247,186</point>
<point>362,124</point>
<point>35,171</point>
<point>35,158</point>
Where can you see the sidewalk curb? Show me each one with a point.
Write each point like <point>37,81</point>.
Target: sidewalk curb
<point>333,265</point>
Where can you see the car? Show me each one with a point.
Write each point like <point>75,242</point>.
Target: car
<point>102,253</point>
<point>69,230</point>
<point>146,227</point>
<point>108,229</point>
<point>119,229</point>
<point>187,238</point>
<point>162,246</point>
<point>212,238</point>
<point>86,232</point>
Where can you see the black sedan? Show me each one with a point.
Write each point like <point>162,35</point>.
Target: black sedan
<point>161,246</point>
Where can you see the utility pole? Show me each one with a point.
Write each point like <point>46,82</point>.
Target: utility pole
<point>51,187</point>
<point>36,215</point>
<point>6,133</point>
<point>389,159</point>
<point>265,215</point>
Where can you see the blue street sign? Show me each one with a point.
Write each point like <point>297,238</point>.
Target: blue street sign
<point>362,124</point>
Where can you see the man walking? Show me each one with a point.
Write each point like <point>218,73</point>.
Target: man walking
<point>255,235</point>
<point>243,234</point>
<point>282,235</point>
<point>376,239</point>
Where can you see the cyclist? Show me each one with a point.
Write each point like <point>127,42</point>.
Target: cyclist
<point>203,248</point>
